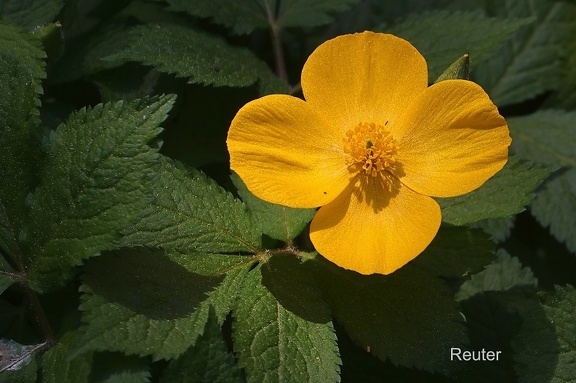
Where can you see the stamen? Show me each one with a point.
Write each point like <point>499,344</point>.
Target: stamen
<point>371,148</point>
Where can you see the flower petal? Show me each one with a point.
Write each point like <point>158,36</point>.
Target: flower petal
<point>371,230</point>
<point>286,153</point>
<point>451,139</point>
<point>363,77</point>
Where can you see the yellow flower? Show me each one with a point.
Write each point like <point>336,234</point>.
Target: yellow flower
<point>371,144</point>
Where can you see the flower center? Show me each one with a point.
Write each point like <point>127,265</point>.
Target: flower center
<point>371,148</point>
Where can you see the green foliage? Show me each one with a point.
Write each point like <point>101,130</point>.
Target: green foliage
<point>202,58</point>
<point>408,317</point>
<point>549,137</point>
<point>529,63</point>
<point>110,367</point>
<point>559,307</point>
<point>505,273</point>
<point>21,72</point>
<point>275,344</point>
<point>276,221</point>
<point>207,361</point>
<point>130,254</point>
<point>245,15</point>
<point>88,192</point>
<point>191,212</point>
<point>456,252</point>
<point>57,369</point>
<point>554,207</point>
<point>505,194</point>
<point>159,327</point>
<point>30,13</point>
<point>478,36</point>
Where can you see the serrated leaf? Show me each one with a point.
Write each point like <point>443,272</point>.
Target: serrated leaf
<point>57,367</point>
<point>109,367</point>
<point>30,13</point>
<point>408,317</point>
<point>498,228</point>
<point>243,16</point>
<point>96,181</point>
<point>21,72</point>
<point>432,33</point>
<point>276,345</point>
<point>530,62</point>
<point>111,326</point>
<point>550,358</point>
<point>83,54</point>
<point>278,222</point>
<point>202,58</point>
<point>505,273</point>
<point>555,207</point>
<point>148,283</point>
<point>455,252</point>
<point>207,361</point>
<point>502,196</point>
<point>25,48</point>
<point>546,136</point>
<point>190,212</point>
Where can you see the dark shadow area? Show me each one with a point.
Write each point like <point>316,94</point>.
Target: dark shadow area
<point>295,288</point>
<point>148,282</point>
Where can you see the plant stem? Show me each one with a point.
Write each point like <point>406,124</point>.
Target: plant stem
<point>40,315</point>
<point>276,42</point>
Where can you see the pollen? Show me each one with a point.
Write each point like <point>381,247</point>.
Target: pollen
<point>370,148</point>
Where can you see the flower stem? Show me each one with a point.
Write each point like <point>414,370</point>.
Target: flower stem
<point>277,41</point>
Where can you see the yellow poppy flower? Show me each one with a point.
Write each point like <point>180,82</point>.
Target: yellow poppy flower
<point>371,144</point>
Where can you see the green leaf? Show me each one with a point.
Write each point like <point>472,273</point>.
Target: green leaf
<point>203,58</point>
<point>549,358</point>
<point>530,62</point>
<point>277,221</point>
<point>432,33</point>
<point>96,181</point>
<point>26,49</point>
<point>505,273</point>
<point>547,137</point>
<point>30,13</point>
<point>408,317</point>
<point>110,367</point>
<point>207,361</point>
<point>170,292</point>
<point>113,326</point>
<point>243,16</point>
<point>555,207</point>
<point>276,345</point>
<point>498,228</point>
<point>455,252</point>
<point>190,212</point>
<point>21,72</point>
<point>504,195</point>
<point>458,70</point>
<point>57,367</point>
